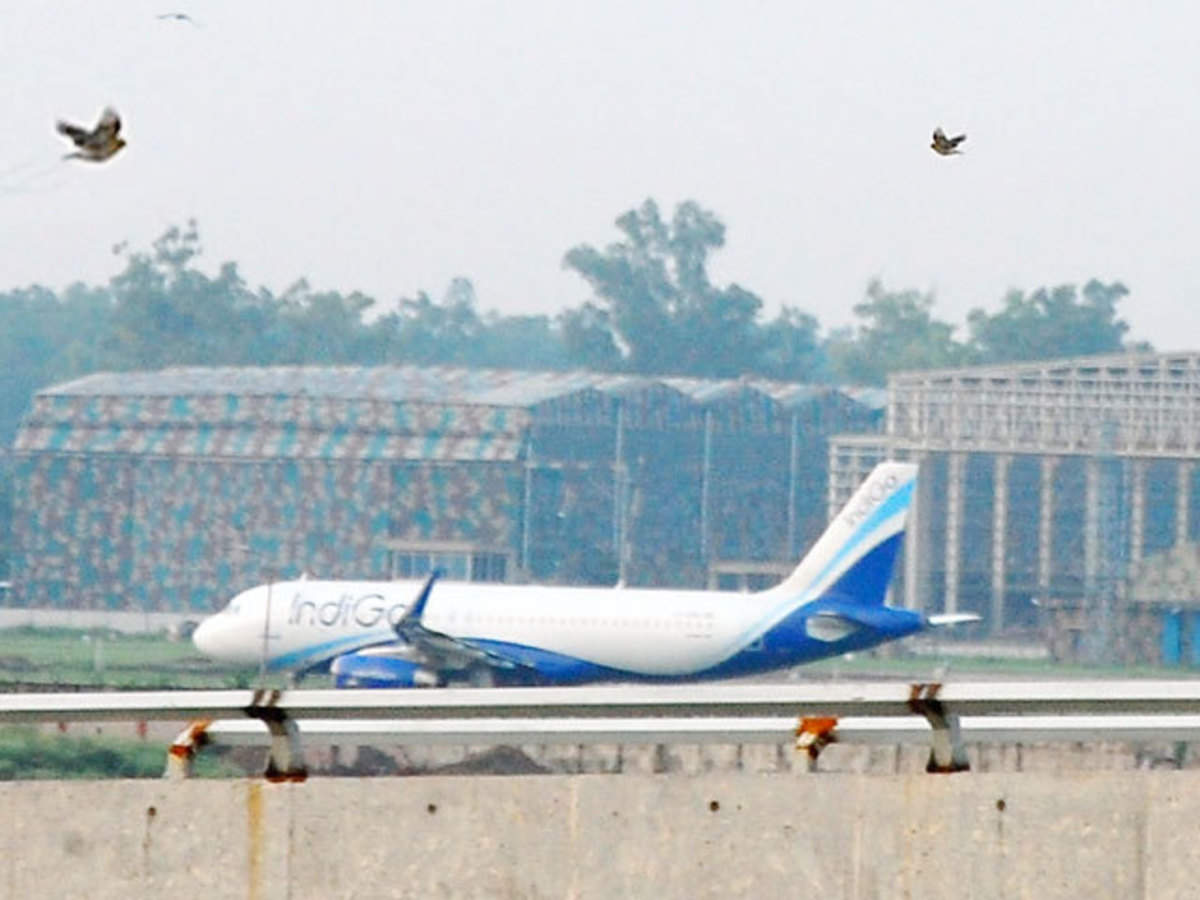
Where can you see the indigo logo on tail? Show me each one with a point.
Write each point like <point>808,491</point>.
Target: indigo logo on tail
<point>874,494</point>
<point>875,513</point>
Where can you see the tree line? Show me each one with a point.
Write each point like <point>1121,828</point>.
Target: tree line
<point>653,309</point>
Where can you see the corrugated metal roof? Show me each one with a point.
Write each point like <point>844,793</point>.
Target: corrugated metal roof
<point>371,412</point>
<point>789,395</point>
<point>427,384</point>
<point>625,385</point>
<point>874,398</point>
<point>531,388</point>
<point>437,384</point>
<point>705,391</point>
<point>400,384</point>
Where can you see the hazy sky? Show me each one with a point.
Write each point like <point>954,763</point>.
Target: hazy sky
<point>389,147</point>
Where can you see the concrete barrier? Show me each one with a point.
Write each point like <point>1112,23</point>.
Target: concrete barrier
<point>1096,835</point>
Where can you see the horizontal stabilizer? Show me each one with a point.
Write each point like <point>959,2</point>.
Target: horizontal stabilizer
<point>942,620</point>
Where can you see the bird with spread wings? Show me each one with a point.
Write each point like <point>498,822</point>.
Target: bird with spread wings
<point>97,144</point>
<point>946,146</point>
<point>177,17</point>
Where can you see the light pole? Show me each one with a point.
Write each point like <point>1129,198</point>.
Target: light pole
<point>262,669</point>
<point>243,548</point>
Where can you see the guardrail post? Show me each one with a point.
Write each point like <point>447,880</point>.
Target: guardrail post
<point>286,760</point>
<point>947,752</point>
<point>182,753</point>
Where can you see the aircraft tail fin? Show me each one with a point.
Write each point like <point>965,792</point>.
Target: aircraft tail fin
<point>853,558</point>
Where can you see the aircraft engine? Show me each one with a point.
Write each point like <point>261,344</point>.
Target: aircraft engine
<point>368,670</point>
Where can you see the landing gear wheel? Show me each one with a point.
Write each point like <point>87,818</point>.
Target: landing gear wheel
<point>481,677</point>
<point>478,676</point>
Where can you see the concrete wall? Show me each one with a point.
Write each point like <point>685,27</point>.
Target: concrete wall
<point>1096,835</point>
<point>114,619</point>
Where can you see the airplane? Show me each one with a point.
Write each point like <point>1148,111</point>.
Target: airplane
<point>438,633</point>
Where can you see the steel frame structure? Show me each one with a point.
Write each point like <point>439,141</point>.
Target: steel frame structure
<point>1151,403</point>
<point>1119,416</point>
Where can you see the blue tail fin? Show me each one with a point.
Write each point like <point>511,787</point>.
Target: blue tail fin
<point>854,557</point>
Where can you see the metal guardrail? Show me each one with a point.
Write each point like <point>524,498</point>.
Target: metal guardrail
<point>812,713</point>
<point>817,698</point>
<point>910,730</point>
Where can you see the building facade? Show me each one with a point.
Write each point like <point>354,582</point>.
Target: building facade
<point>174,489</point>
<point>1046,490</point>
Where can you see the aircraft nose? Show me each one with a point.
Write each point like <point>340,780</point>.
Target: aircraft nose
<point>204,637</point>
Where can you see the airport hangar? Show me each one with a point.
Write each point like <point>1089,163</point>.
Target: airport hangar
<point>174,489</point>
<point>1057,498</point>
<point>1060,497</point>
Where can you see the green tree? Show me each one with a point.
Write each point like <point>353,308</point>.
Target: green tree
<point>521,342</point>
<point>897,332</point>
<point>587,336</point>
<point>454,332</point>
<point>1050,323</point>
<point>790,348</point>
<point>663,314</point>
<point>167,312</point>
<point>318,328</point>
<point>426,332</point>
<point>46,338</point>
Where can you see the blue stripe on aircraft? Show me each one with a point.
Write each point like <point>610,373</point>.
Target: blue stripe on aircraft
<point>894,504</point>
<point>866,582</point>
<point>787,643</point>
<point>558,667</point>
<point>898,502</point>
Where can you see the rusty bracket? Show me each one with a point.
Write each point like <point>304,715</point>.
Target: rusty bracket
<point>286,759</point>
<point>182,753</point>
<point>947,752</point>
<point>813,734</point>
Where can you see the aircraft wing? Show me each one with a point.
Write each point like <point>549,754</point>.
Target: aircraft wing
<point>443,652</point>
<point>438,650</point>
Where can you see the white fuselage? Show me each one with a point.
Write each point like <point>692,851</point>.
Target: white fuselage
<point>653,632</point>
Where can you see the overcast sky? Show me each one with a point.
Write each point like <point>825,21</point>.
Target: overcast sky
<point>391,146</point>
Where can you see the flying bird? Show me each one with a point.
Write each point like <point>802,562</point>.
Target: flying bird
<point>98,144</point>
<point>177,16</point>
<point>946,146</point>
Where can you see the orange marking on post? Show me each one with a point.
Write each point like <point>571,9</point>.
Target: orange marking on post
<point>814,733</point>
